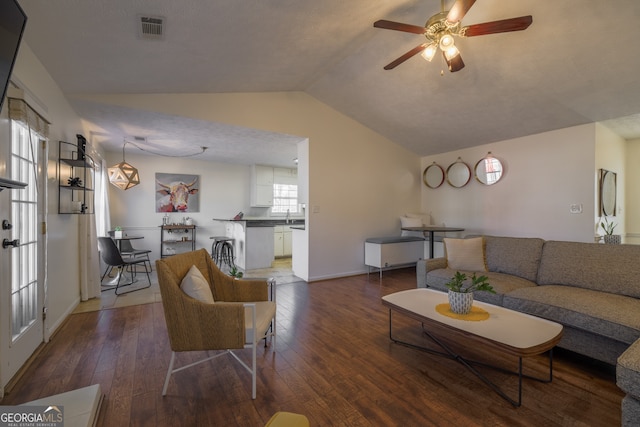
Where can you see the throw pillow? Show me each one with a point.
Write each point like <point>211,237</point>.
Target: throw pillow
<point>196,286</point>
<point>406,221</point>
<point>426,217</point>
<point>465,254</point>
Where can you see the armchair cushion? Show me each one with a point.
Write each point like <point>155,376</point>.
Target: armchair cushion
<point>196,286</point>
<point>265,311</point>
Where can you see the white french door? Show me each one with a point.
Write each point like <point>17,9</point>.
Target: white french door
<point>23,255</point>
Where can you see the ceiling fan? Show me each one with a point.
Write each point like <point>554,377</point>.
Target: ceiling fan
<point>441,28</point>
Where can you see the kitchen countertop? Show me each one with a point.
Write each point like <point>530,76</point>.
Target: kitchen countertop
<point>265,222</point>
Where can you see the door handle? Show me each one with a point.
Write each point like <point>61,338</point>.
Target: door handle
<point>6,243</point>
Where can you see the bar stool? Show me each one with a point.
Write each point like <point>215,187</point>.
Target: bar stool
<point>222,251</point>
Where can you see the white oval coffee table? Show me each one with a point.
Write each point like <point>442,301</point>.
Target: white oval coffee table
<point>506,330</point>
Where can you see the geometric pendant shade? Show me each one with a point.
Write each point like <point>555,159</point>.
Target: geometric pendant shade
<point>123,175</point>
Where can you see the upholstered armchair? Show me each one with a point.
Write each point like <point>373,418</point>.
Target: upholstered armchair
<point>239,316</point>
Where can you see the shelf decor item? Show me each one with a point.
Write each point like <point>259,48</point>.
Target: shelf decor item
<point>75,175</point>
<point>461,295</point>
<point>118,233</point>
<point>609,237</point>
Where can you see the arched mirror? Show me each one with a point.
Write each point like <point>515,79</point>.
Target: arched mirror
<point>488,170</point>
<point>458,173</point>
<point>433,175</point>
<point>607,193</point>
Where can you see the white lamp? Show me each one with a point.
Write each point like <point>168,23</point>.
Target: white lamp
<point>123,175</point>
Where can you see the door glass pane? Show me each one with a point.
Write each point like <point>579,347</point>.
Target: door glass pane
<point>24,281</point>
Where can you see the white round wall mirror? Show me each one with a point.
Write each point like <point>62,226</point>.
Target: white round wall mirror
<point>608,192</point>
<point>433,175</point>
<point>488,170</point>
<point>458,174</point>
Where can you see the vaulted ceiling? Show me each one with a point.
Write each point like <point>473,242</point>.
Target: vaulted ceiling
<point>577,63</point>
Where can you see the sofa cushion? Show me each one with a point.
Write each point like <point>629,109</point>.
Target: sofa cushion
<point>628,370</point>
<point>607,268</point>
<point>610,315</point>
<point>502,283</point>
<point>519,256</point>
<point>465,254</point>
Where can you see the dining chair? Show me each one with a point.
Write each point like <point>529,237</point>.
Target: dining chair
<point>112,257</point>
<point>237,315</point>
<point>128,251</point>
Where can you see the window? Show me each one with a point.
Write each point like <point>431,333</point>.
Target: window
<point>285,198</point>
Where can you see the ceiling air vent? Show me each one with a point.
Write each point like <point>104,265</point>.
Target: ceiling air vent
<point>151,27</point>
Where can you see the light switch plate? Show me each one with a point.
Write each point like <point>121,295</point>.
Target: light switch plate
<point>575,208</point>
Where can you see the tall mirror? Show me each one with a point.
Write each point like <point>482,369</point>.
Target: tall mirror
<point>488,170</point>
<point>607,193</point>
<point>458,173</point>
<point>433,175</point>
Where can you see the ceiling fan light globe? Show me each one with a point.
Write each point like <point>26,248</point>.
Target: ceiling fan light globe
<point>429,52</point>
<point>446,41</point>
<point>451,52</point>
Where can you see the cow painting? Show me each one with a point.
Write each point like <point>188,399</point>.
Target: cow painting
<point>176,193</point>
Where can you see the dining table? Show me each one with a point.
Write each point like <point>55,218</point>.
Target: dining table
<point>429,232</point>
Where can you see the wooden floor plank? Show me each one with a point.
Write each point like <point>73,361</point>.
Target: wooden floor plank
<point>334,363</point>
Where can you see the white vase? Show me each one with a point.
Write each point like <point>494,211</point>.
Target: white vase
<point>460,302</point>
<point>612,239</point>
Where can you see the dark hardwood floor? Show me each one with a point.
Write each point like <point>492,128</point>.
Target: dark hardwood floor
<point>334,363</point>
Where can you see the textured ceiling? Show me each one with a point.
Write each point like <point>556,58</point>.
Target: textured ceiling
<point>577,63</point>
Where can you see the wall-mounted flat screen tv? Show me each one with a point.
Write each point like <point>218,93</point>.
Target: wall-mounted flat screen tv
<point>12,23</point>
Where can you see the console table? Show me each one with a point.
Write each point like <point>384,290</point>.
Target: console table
<point>177,238</point>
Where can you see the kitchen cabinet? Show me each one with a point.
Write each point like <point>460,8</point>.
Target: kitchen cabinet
<point>282,241</point>
<point>75,178</point>
<point>261,186</point>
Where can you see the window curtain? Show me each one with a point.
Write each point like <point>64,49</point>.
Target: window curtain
<point>20,111</point>
<point>103,221</point>
<point>88,232</point>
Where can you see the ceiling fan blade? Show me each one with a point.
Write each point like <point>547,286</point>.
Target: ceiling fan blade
<point>406,56</point>
<point>459,9</point>
<point>454,64</point>
<point>502,26</point>
<point>398,26</point>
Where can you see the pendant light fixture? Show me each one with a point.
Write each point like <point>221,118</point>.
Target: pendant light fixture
<point>123,175</point>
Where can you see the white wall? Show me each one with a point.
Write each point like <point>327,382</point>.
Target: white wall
<point>359,182</point>
<point>632,199</point>
<point>63,286</point>
<point>632,172</point>
<point>543,175</point>
<point>224,191</point>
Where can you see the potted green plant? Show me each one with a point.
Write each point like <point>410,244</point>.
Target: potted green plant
<point>461,291</point>
<point>235,272</point>
<point>609,237</point>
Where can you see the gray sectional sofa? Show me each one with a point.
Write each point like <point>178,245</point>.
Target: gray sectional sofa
<point>592,289</point>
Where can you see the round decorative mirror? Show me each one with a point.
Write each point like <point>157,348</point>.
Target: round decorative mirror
<point>458,173</point>
<point>488,170</point>
<point>607,192</point>
<point>433,175</point>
